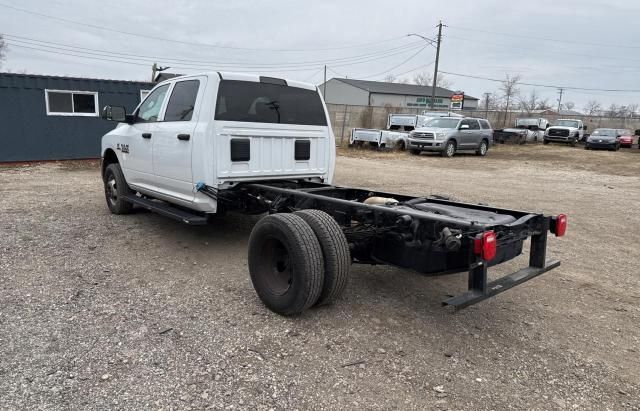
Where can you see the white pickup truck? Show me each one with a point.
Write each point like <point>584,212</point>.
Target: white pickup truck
<point>568,131</point>
<point>203,144</point>
<point>396,134</point>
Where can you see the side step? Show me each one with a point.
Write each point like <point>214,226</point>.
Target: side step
<point>167,210</point>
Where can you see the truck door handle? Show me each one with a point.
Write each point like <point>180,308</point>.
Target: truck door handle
<point>184,137</point>
<point>146,135</point>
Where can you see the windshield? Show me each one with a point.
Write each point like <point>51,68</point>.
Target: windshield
<point>605,132</point>
<point>566,123</point>
<point>443,123</point>
<point>268,103</point>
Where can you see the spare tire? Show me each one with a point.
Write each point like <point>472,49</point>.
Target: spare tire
<point>285,263</point>
<point>335,252</point>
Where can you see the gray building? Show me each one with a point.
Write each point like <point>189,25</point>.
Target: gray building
<point>381,94</point>
<point>58,118</point>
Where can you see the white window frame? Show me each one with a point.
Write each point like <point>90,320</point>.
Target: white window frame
<point>142,97</point>
<point>72,92</point>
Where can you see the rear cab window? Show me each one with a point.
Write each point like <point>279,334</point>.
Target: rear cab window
<point>258,102</point>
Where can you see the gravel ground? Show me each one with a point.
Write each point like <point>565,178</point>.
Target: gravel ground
<point>132,312</point>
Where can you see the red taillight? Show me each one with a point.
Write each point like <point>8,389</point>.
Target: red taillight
<point>485,245</point>
<point>560,225</point>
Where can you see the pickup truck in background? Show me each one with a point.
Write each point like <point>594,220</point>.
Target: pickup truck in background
<point>395,136</point>
<point>568,131</point>
<point>526,130</point>
<point>205,144</point>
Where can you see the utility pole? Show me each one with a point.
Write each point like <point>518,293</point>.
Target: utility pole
<point>324,86</point>
<point>560,100</point>
<point>486,104</point>
<point>435,71</point>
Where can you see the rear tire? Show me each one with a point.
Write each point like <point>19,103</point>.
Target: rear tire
<point>449,149</point>
<point>482,150</point>
<point>335,251</point>
<point>115,188</point>
<point>285,263</point>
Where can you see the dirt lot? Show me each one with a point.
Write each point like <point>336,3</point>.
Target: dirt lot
<point>101,311</point>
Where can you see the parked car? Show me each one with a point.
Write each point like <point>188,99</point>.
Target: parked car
<point>604,138</point>
<point>626,138</point>
<point>448,135</point>
<point>565,131</point>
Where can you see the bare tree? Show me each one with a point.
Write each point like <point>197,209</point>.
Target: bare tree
<point>543,104</point>
<point>615,111</point>
<point>529,103</point>
<point>3,49</point>
<point>592,108</point>
<point>426,79</point>
<point>632,110</point>
<point>510,89</point>
<point>390,78</point>
<point>569,105</point>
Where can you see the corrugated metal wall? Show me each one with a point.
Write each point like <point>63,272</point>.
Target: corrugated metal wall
<point>28,134</point>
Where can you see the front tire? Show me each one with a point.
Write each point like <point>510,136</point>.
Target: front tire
<point>400,145</point>
<point>545,141</point>
<point>335,252</point>
<point>285,263</point>
<point>415,152</point>
<point>482,150</point>
<point>449,149</point>
<point>115,189</point>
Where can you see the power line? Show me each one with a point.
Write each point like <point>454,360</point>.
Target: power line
<point>106,53</point>
<point>564,53</point>
<point>545,38</point>
<point>541,85</point>
<point>197,67</point>
<point>396,66</point>
<point>191,43</point>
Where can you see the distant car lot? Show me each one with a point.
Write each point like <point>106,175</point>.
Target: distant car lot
<point>104,311</point>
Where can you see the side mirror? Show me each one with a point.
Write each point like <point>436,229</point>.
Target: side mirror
<point>114,113</point>
<point>464,127</point>
<point>584,128</point>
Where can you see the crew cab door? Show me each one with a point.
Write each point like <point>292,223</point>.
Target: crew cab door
<point>173,139</point>
<point>137,142</point>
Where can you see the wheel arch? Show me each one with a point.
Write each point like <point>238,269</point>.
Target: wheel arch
<point>108,157</point>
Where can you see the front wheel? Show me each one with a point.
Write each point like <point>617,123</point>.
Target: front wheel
<point>414,151</point>
<point>449,149</point>
<point>573,142</point>
<point>400,145</point>
<point>115,189</point>
<point>482,150</point>
<point>545,141</point>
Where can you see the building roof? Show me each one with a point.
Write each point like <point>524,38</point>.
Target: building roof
<point>7,79</point>
<point>381,87</point>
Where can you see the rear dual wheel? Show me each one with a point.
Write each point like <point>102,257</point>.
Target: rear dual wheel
<point>298,260</point>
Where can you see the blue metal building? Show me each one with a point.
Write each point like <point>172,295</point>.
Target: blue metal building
<point>58,118</point>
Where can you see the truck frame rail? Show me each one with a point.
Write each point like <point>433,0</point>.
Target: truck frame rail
<point>431,235</point>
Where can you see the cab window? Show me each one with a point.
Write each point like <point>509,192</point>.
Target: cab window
<point>182,101</point>
<point>150,109</point>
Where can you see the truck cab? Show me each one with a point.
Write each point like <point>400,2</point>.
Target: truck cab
<point>220,129</point>
<point>568,131</point>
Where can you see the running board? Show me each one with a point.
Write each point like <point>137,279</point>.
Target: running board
<point>475,295</point>
<point>167,210</point>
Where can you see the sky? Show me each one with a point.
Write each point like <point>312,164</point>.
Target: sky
<point>562,43</point>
